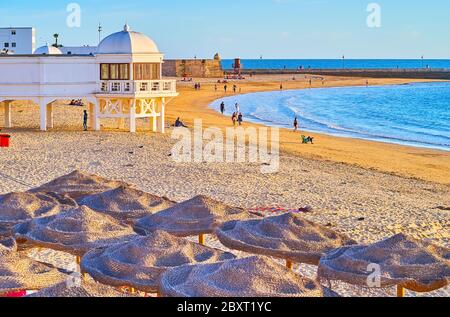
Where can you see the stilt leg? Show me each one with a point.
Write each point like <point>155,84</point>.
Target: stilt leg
<point>400,291</point>
<point>201,239</point>
<point>8,123</point>
<point>50,116</point>
<point>289,265</point>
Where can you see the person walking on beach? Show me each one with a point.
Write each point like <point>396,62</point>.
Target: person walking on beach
<point>240,119</point>
<point>85,120</point>
<point>222,107</point>
<point>234,118</point>
<point>295,124</point>
<point>237,107</point>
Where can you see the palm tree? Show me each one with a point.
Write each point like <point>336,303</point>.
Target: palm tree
<point>56,36</point>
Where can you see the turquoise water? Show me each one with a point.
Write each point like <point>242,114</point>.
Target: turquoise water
<point>337,63</point>
<point>414,114</point>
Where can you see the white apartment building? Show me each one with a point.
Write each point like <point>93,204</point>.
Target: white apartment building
<point>18,40</point>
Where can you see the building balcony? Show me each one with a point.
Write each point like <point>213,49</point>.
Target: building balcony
<point>139,87</point>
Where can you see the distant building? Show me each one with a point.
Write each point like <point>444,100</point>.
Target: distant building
<point>17,40</point>
<point>79,50</point>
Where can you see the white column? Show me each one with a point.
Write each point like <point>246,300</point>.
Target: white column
<point>43,114</point>
<point>49,116</point>
<point>97,115</point>
<point>133,116</point>
<point>154,123</point>
<point>162,121</point>
<point>8,123</point>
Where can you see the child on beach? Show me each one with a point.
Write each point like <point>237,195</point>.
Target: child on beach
<point>240,119</point>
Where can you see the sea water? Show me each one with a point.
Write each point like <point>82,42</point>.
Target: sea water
<point>412,114</point>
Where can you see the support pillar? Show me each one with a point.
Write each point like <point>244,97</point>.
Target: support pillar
<point>43,115</point>
<point>97,116</point>
<point>50,116</point>
<point>162,121</point>
<point>133,116</point>
<point>8,123</point>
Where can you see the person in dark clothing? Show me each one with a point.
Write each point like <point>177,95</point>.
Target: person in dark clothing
<point>295,124</point>
<point>240,118</point>
<point>179,124</point>
<point>225,88</point>
<point>85,120</point>
<point>222,107</point>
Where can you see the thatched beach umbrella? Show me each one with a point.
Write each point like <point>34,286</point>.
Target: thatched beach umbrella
<point>403,261</point>
<point>289,237</point>
<point>139,263</point>
<point>75,231</point>
<point>86,289</point>
<point>16,208</point>
<point>19,273</point>
<point>197,216</point>
<point>125,203</point>
<point>8,245</point>
<point>249,277</point>
<point>78,185</point>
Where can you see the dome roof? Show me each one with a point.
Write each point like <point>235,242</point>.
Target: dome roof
<point>127,42</point>
<point>48,50</point>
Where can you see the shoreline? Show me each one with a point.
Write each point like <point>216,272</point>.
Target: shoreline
<point>255,120</point>
<point>431,165</point>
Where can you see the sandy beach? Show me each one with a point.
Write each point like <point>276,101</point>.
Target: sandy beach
<point>364,189</point>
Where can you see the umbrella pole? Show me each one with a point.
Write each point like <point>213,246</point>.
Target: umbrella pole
<point>289,264</point>
<point>201,239</point>
<point>400,291</point>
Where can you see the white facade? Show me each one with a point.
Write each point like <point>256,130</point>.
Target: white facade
<point>106,81</point>
<point>18,40</point>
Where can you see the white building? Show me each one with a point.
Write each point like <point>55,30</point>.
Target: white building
<point>18,40</point>
<point>123,80</point>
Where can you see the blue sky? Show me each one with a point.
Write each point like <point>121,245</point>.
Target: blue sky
<point>250,28</point>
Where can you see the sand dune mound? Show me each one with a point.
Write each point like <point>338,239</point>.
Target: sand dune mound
<point>17,208</point>
<point>85,289</point>
<point>248,277</point>
<point>288,236</point>
<point>125,203</point>
<point>416,265</point>
<point>18,273</point>
<point>140,262</point>
<point>78,185</point>
<point>75,231</point>
<point>200,215</point>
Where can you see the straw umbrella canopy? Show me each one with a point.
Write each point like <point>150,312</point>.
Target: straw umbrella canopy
<point>197,216</point>
<point>18,273</point>
<point>288,237</point>
<point>16,208</point>
<point>140,262</point>
<point>75,231</point>
<point>405,262</point>
<point>85,289</point>
<point>125,203</point>
<point>7,245</point>
<point>78,185</point>
<point>249,277</point>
